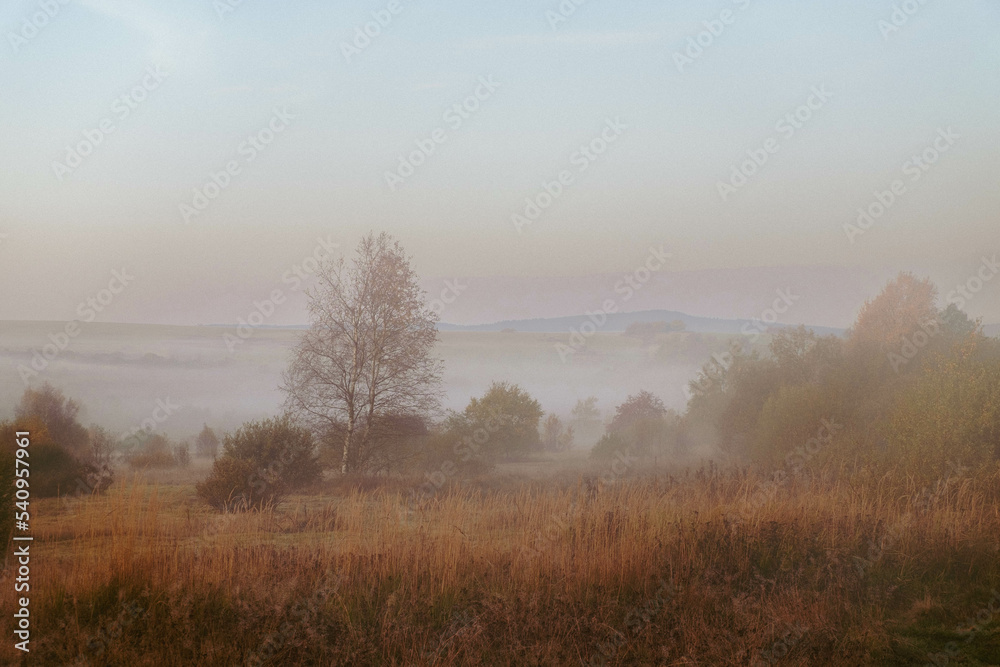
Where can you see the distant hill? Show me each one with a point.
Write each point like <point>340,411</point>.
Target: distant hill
<point>620,321</point>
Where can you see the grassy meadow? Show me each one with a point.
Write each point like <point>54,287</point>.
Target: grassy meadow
<point>578,563</point>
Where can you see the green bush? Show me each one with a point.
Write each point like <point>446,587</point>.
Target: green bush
<point>652,438</point>
<point>453,448</point>
<point>642,427</point>
<point>609,446</point>
<point>789,418</point>
<point>231,486</point>
<point>510,416</point>
<point>951,412</point>
<point>54,471</point>
<point>261,462</point>
<point>909,386</point>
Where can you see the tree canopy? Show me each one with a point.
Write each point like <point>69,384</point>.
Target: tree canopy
<point>365,363</point>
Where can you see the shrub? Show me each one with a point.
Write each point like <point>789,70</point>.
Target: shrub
<point>261,462</point>
<point>609,446</point>
<point>102,447</point>
<point>555,436</point>
<point>230,487</point>
<point>642,427</point>
<point>451,449</point>
<point>54,470</point>
<point>951,413</point>
<point>182,455</point>
<point>646,439</point>
<point>207,444</point>
<point>58,414</point>
<point>389,445</point>
<point>57,471</point>
<point>637,408</point>
<point>909,386</point>
<point>155,452</point>
<point>508,415</point>
<point>790,417</point>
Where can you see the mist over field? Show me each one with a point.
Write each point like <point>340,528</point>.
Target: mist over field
<point>120,371</point>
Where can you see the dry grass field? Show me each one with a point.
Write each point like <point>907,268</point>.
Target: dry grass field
<point>701,568</point>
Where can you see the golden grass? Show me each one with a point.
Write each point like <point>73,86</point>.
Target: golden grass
<point>701,569</point>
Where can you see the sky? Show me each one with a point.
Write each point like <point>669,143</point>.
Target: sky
<point>291,120</point>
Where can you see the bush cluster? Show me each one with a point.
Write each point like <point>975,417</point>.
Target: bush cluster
<point>261,462</point>
<point>908,385</point>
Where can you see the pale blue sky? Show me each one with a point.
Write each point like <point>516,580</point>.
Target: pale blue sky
<point>325,173</point>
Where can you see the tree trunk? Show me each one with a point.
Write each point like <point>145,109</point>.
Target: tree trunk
<point>347,447</point>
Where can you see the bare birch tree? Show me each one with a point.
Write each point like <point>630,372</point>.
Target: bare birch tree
<point>364,366</point>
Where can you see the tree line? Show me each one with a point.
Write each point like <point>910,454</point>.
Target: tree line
<point>910,384</point>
